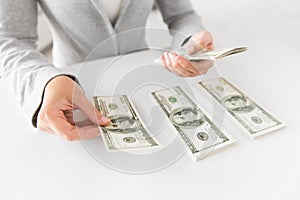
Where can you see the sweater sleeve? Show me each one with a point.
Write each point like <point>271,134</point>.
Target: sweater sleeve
<point>181,19</point>
<point>22,67</point>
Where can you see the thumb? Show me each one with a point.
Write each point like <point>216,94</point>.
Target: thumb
<point>192,47</point>
<point>199,41</point>
<point>95,116</point>
<point>90,111</point>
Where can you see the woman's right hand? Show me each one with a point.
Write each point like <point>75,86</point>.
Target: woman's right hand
<point>61,97</point>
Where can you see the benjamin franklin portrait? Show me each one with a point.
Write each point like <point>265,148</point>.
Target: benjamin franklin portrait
<point>237,103</point>
<point>187,117</point>
<point>123,124</point>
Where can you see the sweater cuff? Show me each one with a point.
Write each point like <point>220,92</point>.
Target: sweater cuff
<point>34,102</point>
<point>186,40</point>
<point>180,38</point>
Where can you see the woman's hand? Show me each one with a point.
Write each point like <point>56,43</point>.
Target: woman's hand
<point>61,97</point>
<point>183,67</point>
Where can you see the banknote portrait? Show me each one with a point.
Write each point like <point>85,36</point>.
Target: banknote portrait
<point>197,130</point>
<point>237,103</point>
<point>125,130</point>
<point>255,119</point>
<point>187,117</point>
<point>123,124</point>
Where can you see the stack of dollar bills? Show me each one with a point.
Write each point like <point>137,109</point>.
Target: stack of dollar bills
<point>126,130</point>
<point>198,131</point>
<point>195,127</point>
<point>207,55</point>
<point>251,117</point>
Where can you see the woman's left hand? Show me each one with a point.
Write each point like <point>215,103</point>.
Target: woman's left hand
<point>183,67</point>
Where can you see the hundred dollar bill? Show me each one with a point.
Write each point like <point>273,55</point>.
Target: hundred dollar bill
<point>254,118</point>
<point>207,55</point>
<point>198,132</point>
<point>125,130</point>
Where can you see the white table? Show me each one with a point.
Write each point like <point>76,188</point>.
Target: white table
<point>35,165</point>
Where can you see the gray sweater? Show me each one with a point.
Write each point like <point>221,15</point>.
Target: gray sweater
<point>78,26</point>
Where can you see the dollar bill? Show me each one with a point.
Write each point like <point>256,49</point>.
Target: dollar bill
<point>197,130</point>
<point>207,55</point>
<point>252,117</point>
<point>125,130</point>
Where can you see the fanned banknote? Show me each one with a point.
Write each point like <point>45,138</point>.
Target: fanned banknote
<point>197,130</point>
<point>125,130</point>
<point>207,55</point>
<point>252,117</point>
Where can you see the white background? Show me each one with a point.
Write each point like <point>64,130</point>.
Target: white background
<point>35,165</point>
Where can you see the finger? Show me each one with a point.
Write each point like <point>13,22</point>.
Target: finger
<point>88,131</point>
<point>60,125</point>
<point>167,59</point>
<point>84,122</point>
<point>192,48</point>
<point>69,116</point>
<point>185,67</point>
<point>199,67</point>
<point>42,122</point>
<point>204,43</point>
<point>169,64</point>
<point>164,62</point>
<point>179,69</point>
<point>186,64</point>
<point>90,111</point>
<point>182,72</point>
<point>43,127</point>
<point>202,40</point>
<point>172,55</point>
<point>194,45</point>
<point>203,66</point>
<point>83,130</point>
<point>210,47</point>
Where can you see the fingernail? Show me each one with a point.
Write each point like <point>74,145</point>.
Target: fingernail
<point>172,58</point>
<point>190,49</point>
<point>173,55</point>
<point>105,119</point>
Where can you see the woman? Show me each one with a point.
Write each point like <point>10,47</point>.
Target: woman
<point>44,92</point>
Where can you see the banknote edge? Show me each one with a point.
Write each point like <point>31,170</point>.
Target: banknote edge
<point>269,130</point>
<point>105,134</point>
<point>230,142</point>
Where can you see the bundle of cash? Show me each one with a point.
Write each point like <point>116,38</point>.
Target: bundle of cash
<point>125,130</point>
<point>253,118</point>
<point>198,132</point>
<point>207,55</point>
